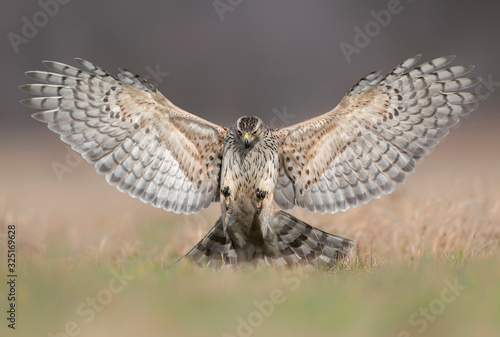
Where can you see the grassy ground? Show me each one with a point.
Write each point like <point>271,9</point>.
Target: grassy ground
<point>429,298</point>
<point>91,261</point>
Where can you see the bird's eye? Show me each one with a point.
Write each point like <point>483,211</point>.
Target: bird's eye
<point>255,133</point>
<point>238,132</point>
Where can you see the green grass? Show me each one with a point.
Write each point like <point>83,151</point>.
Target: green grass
<point>356,300</point>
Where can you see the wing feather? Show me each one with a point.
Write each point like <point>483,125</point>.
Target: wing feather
<point>139,140</point>
<point>371,141</point>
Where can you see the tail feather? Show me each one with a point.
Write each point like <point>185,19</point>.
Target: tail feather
<point>215,249</point>
<point>301,243</point>
<point>298,244</point>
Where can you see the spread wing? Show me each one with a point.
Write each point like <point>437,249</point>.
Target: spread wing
<point>370,142</point>
<point>133,135</point>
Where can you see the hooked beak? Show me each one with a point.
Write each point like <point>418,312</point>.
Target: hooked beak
<point>246,140</point>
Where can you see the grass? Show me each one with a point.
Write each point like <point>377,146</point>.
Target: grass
<point>75,237</point>
<point>360,300</point>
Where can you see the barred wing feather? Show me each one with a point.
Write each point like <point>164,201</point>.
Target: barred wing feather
<point>371,141</point>
<point>139,140</point>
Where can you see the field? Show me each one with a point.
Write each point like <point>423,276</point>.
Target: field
<point>92,261</point>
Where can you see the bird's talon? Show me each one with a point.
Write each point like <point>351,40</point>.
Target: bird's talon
<point>259,206</point>
<point>226,191</point>
<point>261,194</point>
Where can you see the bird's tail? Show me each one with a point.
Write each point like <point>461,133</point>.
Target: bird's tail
<point>298,244</point>
<point>301,243</point>
<point>215,249</point>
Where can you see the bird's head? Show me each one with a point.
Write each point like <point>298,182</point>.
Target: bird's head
<point>249,130</point>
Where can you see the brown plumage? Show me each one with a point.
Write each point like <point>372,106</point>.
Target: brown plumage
<point>153,150</point>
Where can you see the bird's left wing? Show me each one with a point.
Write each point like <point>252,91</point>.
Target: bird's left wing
<point>133,135</point>
<point>370,142</point>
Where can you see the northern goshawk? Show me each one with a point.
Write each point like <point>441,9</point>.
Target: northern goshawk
<point>155,151</point>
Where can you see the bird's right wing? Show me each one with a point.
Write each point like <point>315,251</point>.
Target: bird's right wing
<point>143,143</point>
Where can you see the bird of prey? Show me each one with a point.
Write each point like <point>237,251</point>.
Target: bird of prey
<point>153,150</point>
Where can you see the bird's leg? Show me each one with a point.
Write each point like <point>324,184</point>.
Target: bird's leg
<point>226,192</point>
<point>261,194</point>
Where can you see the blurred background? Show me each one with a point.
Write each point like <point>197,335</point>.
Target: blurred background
<point>285,61</point>
<point>229,58</point>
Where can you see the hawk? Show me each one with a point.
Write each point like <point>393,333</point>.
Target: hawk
<point>153,150</point>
